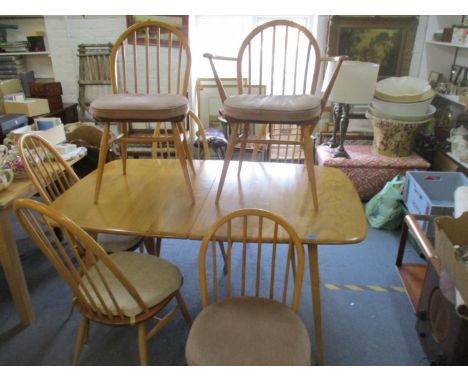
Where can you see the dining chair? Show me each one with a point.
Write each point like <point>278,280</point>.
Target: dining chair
<point>249,317</point>
<point>150,68</point>
<point>116,289</point>
<point>280,61</point>
<point>52,176</point>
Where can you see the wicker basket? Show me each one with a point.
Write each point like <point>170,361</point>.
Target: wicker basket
<point>394,138</point>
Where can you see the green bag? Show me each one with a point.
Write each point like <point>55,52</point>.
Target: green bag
<point>385,210</point>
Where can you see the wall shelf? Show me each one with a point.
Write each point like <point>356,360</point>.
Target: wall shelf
<point>25,53</point>
<point>441,43</point>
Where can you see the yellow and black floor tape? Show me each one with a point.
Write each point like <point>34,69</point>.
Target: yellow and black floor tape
<point>364,288</point>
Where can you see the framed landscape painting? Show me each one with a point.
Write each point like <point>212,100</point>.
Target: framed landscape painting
<point>385,40</point>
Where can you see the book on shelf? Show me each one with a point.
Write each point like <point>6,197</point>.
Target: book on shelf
<point>11,58</point>
<point>12,47</point>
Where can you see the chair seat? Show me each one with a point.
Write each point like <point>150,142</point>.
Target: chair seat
<point>248,331</point>
<point>272,109</point>
<point>139,107</point>
<point>154,279</point>
<point>118,243</point>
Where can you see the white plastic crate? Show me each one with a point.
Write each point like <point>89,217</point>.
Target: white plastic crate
<point>431,193</point>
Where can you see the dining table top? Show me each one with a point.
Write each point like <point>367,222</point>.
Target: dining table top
<point>151,200</point>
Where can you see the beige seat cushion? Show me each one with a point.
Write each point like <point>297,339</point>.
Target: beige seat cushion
<point>139,107</point>
<point>117,243</point>
<point>274,109</point>
<point>248,331</point>
<point>153,278</point>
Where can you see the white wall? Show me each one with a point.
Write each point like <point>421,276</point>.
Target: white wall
<point>65,33</point>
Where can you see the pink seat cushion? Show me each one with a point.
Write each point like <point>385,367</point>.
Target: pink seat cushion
<point>298,109</point>
<point>139,107</point>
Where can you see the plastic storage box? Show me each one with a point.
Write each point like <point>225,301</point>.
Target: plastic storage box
<point>431,193</point>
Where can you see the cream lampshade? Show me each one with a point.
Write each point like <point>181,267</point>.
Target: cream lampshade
<point>354,85</point>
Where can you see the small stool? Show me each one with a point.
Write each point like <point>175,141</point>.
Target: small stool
<point>368,171</point>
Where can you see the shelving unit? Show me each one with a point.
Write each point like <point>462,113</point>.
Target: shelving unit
<point>39,62</point>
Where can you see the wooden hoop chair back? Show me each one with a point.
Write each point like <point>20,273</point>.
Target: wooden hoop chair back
<point>280,270</point>
<point>50,173</point>
<point>74,257</point>
<point>280,55</point>
<point>156,60</point>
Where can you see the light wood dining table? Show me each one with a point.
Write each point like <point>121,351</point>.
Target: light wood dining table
<point>152,200</point>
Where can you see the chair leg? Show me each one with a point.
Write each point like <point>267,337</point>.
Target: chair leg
<point>245,136</point>
<point>183,309</point>
<point>158,246</point>
<point>124,146</point>
<point>71,308</point>
<point>309,162</point>
<point>142,344</point>
<point>188,154</point>
<point>223,254</point>
<point>149,245</point>
<point>227,159</point>
<point>82,332</point>
<point>102,160</point>
<point>180,153</point>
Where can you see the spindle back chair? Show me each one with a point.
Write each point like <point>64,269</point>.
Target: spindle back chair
<point>106,287</point>
<point>52,176</point>
<point>150,67</point>
<point>249,316</point>
<point>283,58</point>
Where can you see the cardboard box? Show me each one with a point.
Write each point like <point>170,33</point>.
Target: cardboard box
<point>30,106</point>
<point>45,89</point>
<point>450,234</point>
<point>10,87</point>
<point>54,135</point>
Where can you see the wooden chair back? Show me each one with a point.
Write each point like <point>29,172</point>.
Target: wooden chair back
<point>49,172</point>
<point>151,57</point>
<point>74,257</point>
<point>281,55</point>
<point>272,270</point>
<point>194,133</point>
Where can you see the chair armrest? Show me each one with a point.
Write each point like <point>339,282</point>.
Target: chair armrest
<point>219,84</point>
<point>333,58</point>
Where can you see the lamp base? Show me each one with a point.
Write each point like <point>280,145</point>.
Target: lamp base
<point>340,152</point>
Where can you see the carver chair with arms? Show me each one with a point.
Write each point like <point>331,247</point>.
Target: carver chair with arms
<point>150,68</point>
<point>120,289</point>
<point>52,176</point>
<point>249,318</point>
<point>281,61</point>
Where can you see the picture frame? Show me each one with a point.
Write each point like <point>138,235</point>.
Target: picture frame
<point>179,21</point>
<point>385,40</point>
<point>434,78</point>
<point>209,101</point>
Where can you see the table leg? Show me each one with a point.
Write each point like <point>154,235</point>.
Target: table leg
<point>9,259</point>
<point>315,292</point>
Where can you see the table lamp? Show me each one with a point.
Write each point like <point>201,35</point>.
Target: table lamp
<point>355,85</point>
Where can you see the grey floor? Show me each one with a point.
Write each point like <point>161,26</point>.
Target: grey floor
<point>360,327</point>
